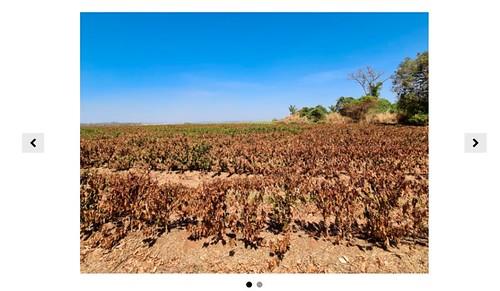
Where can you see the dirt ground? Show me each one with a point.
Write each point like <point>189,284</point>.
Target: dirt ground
<point>175,253</point>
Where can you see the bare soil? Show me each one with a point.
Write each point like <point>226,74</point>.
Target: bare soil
<point>175,253</point>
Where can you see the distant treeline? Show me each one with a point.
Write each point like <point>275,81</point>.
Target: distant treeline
<point>410,83</point>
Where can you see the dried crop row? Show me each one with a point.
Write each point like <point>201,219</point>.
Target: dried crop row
<point>320,151</point>
<point>381,207</point>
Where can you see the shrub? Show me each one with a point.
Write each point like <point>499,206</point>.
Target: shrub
<point>358,108</point>
<point>418,119</point>
<point>342,102</point>
<point>336,118</point>
<point>382,106</point>
<point>314,114</point>
<point>295,119</point>
<point>381,118</point>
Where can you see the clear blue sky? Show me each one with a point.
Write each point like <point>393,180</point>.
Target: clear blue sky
<point>211,67</point>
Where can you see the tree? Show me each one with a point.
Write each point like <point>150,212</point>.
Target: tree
<point>384,105</point>
<point>342,102</point>
<point>375,89</point>
<point>314,114</point>
<point>410,82</point>
<point>369,79</point>
<point>292,109</point>
<point>357,109</point>
<point>317,113</point>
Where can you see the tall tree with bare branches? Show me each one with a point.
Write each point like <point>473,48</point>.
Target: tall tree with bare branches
<point>369,79</point>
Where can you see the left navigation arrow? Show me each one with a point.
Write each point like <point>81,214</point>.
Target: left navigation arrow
<point>33,142</point>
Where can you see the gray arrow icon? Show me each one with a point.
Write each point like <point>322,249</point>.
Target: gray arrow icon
<point>475,142</point>
<point>33,142</point>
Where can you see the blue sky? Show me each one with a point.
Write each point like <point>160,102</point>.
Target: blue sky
<point>215,67</point>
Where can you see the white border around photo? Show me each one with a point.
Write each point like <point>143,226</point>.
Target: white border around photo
<point>39,201</point>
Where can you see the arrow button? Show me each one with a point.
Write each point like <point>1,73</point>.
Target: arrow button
<point>475,142</point>
<point>33,143</point>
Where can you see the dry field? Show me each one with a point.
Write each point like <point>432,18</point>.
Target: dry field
<point>251,198</point>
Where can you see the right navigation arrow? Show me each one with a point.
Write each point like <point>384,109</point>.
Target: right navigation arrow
<point>475,142</point>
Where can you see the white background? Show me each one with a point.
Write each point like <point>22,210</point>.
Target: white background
<point>39,193</point>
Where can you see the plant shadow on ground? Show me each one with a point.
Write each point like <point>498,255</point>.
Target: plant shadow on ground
<point>362,241</point>
<point>315,230</point>
<point>181,223</point>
